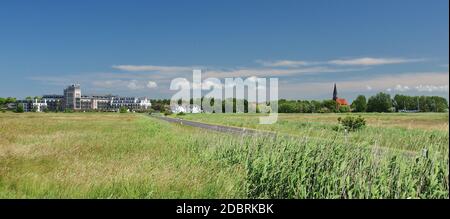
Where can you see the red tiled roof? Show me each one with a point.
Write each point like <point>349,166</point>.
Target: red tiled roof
<point>341,101</point>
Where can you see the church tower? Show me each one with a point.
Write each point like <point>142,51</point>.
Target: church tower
<point>335,93</point>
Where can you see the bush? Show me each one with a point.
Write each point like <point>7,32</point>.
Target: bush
<point>3,111</point>
<point>19,109</point>
<point>123,110</point>
<point>181,114</point>
<point>344,109</point>
<point>352,123</point>
<point>166,113</point>
<point>324,110</point>
<point>68,110</point>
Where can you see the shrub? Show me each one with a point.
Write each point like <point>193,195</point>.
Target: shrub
<point>344,109</point>
<point>123,110</point>
<point>167,112</point>
<point>324,110</point>
<point>352,123</point>
<point>68,110</point>
<point>181,114</point>
<point>19,108</point>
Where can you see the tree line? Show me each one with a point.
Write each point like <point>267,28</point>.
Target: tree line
<point>381,102</point>
<point>7,100</point>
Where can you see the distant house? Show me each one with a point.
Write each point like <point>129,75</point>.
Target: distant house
<point>339,101</point>
<point>342,101</point>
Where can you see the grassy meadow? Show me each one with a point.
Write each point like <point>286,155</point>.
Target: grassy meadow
<point>403,131</point>
<point>106,155</point>
<point>111,155</point>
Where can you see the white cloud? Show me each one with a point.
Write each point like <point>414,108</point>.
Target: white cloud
<point>152,84</point>
<point>369,87</point>
<point>432,88</point>
<point>401,88</point>
<point>108,83</point>
<point>134,85</point>
<point>368,61</point>
<point>270,72</point>
<point>119,84</point>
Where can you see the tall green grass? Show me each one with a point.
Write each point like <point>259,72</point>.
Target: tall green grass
<point>401,131</point>
<point>310,169</point>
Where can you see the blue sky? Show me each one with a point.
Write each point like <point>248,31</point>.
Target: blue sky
<point>137,47</point>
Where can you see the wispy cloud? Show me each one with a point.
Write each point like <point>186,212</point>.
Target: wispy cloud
<point>152,68</point>
<point>368,61</point>
<point>272,72</point>
<point>283,63</point>
<point>362,61</point>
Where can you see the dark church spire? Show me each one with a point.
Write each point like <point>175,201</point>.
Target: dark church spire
<point>335,92</point>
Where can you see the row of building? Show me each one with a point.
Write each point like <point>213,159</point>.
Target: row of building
<point>73,100</point>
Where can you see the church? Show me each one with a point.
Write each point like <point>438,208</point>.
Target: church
<point>340,101</point>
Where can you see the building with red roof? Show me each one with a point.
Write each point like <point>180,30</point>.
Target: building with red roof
<point>340,101</point>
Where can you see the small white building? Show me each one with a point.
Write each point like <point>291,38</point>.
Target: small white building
<point>186,109</point>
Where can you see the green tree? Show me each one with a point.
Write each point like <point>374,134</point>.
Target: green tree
<point>19,108</point>
<point>10,100</point>
<point>359,104</point>
<point>286,107</point>
<point>422,103</point>
<point>439,104</point>
<point>381,102</point>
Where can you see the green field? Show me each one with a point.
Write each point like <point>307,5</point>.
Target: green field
<point>111,155</point>
<point>410,132</point>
